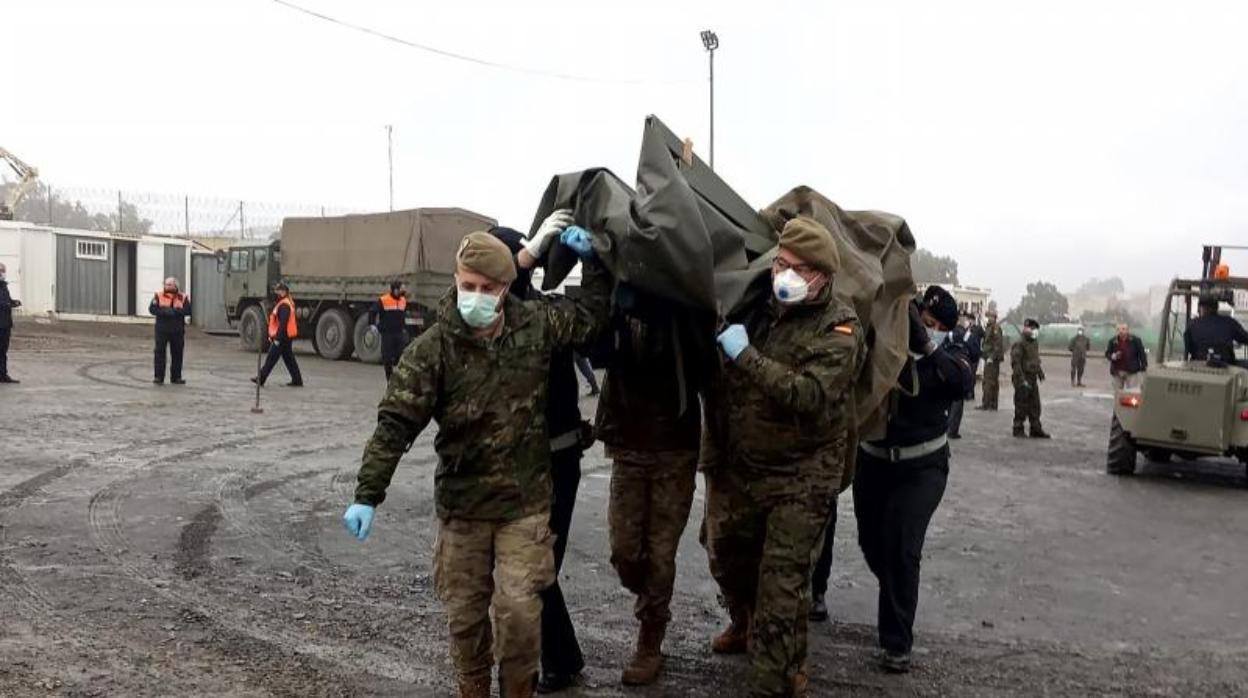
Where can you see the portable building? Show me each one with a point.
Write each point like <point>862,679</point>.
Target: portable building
<point>86,274</point>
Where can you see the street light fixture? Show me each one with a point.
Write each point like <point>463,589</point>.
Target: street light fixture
<point>711,42</point>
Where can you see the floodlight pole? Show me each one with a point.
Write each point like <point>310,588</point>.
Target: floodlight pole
<point>390,157</point>
<point>710,41</point>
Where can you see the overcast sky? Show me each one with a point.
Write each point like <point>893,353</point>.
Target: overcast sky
<point>1056,140</point>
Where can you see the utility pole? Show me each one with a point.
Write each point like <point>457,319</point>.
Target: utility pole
<point>711,42</point>
<point>390,156</point>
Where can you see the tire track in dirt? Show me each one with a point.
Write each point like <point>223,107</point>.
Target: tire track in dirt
<point>105,525</point>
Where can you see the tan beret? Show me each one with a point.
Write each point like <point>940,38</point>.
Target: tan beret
<point>486,254</point>
<point>809,240</point>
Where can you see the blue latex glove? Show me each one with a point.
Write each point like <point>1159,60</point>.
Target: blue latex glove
<point>578,240</point>
<point>359,520</point>
<point>734,340</point>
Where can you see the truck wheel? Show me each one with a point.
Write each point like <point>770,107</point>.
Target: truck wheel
<point>333,335</point>
<point>367,342</point>
<point>1121,457</point>
<point>253,331</point>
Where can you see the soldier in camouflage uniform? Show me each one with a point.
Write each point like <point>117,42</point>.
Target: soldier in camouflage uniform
<point>482,375</point>
<point>650,421</point>
<point>1026,375</point>
<point>993,347</point>
<point>774,453</point>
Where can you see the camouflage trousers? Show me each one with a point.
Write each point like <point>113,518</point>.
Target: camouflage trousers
<point>762,535</point>
<point>992,384</point>
<point>1026,403</point>
<point>480,566</point>
<point>651,494</point>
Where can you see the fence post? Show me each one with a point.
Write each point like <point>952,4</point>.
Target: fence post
<point>49,189</point>
<point>186,210</point>
<point>119,210</point>
<point>242,222</point>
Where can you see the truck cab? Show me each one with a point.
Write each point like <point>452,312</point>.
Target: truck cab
<point>250,271</point>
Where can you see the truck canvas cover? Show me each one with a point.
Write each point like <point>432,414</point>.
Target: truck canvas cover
<point>377,245</point>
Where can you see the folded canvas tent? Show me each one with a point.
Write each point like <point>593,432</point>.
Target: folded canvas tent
<point>684,235</point>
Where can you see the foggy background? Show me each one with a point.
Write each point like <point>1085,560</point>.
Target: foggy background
<point>1054,142</point>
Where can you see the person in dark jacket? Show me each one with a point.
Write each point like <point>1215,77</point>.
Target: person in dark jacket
<point>562,659</point>
<point>1078,348</point>
<point>1212,337</point>
<point>283,328</point>
<point>389,315</point>
<point>650,421</point>
<point>965,339</point>
<point>171,308</point>
<point>7,304</point>
<point>1127,358</point>
<point>901,478</point>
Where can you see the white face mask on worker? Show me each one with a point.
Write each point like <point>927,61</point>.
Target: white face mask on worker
<point>789,287</point>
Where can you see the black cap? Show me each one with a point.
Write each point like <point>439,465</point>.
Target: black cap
<point>1208,301</point>
<point>514,241</point>
<point>941,305</point>
<point>281,286</point>
<point>1031,322</point>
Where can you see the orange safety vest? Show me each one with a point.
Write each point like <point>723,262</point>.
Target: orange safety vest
<point>292,328</point>
<point>176,301</point>
<point>389,302</point>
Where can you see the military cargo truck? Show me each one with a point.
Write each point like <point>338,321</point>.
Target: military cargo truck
<point>337,267</point>
<point>1185,408</point>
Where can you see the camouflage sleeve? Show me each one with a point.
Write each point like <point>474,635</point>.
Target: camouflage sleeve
<point>404,412</point>
<point>828,369</point>
<point>576,322</point>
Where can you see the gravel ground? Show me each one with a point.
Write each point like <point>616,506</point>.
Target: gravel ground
<point>167,541</point>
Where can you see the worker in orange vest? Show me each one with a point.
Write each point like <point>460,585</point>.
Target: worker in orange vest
<point>389,316</point>
<point>282,332</point>
<point>171,308</point>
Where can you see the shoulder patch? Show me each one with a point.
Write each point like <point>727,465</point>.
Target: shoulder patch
<point>843,329</point>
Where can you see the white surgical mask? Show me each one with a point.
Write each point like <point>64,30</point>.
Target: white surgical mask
<point>937,336</point>
<point>789,287</point>
<point>479,310</point>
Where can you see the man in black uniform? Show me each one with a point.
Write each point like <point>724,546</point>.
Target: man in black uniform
<point>171,308</point>
<point>389,316</point>
<point>901,479</point>
<point>562,660</point>
<point>963,337</point>
<point>7,304</point>
<point>1211,336</point>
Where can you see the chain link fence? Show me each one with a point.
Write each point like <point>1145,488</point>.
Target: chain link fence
<point>138,213</point>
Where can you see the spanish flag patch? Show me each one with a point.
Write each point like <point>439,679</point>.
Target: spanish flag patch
<point>844,329</point>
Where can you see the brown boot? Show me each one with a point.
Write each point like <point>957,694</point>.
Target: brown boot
<point>736,638</point>
<point>515,686</point>
<point>474,686</point>
<point>643,669</point>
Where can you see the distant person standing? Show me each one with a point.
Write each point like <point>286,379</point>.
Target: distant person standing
<point>1027,375</point>
<point>389,316</point>
<point>7,304</point>
<point>1127,358</point>
<point>171,308</point>
<point>993,346</point>
<point>1079,346</point>
<point>963,339</point>
<point>283,329</point>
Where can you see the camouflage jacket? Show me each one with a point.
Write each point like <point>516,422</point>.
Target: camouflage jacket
<point>785,405</point>
<point>1025,361</point>
<point>488,397</point>
<point>993,345</point>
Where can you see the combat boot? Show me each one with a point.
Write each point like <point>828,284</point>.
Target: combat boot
<point>643,669</point>
<point>1040,434</point>
<point>514,686</point>
<point>736,638</point>
<point>475,686</point>
<point>1019,433</point>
